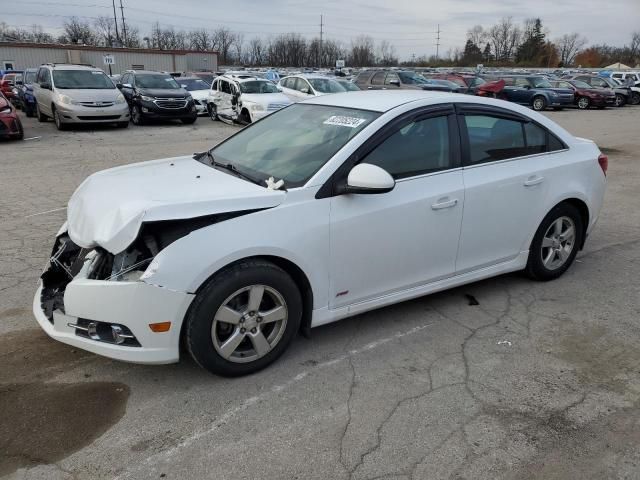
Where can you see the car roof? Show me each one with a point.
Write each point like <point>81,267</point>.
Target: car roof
<point>71,66</point>
<point>383,100</point>
<point>147,72</point>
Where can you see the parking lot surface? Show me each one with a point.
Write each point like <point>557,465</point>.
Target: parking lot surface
<point>539,380</point>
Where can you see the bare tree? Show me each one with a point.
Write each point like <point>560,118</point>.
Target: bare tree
<point>387,54</point>
<point>504,37</point>
<point>362,52</point>
<point>105,30</point>
<point>256,51</point>
<point>200,40</point>
<point>238,44</point>
<point>568,47</point>
<point>78,31</point>
<point>477,35</point>
<point>223,39</point>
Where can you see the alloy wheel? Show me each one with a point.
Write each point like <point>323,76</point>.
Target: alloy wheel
<point>538,104</point>
<point>249,324</point>
<point>583,103</point>
<point>558,243</point>
<point>619,100</point>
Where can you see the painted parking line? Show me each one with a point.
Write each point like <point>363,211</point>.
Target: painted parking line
<point>48,211</point>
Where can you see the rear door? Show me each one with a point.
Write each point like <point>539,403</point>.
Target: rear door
<point>224,97</point>
<point>507,171</point>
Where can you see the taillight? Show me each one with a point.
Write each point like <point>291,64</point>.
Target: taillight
<point>603,161</point>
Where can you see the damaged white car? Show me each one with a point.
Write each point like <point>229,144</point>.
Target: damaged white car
<point>323,210</point>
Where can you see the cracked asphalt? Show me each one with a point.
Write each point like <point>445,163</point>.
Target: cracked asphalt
<point>537,381</point>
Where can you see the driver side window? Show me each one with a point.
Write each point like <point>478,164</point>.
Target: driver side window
<point>225,87</point>
<point>417,148</point>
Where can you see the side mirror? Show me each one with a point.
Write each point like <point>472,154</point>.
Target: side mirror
<point>119,86</point>
<point>369,179</point>
<point>279,88</point>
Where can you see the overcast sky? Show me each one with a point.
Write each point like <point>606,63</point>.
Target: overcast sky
<point>410,25</point>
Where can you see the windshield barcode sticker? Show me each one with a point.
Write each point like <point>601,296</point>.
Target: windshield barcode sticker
<point>351,122</point>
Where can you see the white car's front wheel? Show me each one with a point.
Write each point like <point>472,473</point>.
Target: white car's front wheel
<point>243,319</point>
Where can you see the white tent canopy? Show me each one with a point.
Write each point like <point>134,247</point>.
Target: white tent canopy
<point>618,66</point>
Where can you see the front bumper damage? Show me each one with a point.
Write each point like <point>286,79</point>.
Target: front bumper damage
<point>111,316</point>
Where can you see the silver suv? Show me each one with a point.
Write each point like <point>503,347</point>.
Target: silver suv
<point>73,94</point>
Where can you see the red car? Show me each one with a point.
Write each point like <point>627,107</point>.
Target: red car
<point>10,125</point>
<point>585,95</point>
<point>8,82</point>
<point>468,81</point>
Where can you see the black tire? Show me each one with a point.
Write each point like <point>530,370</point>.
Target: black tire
<point>60,125</point>
<point>539,103</point>
<point>213,112</point>
<point>584,103</point>
<point>122,124</point>
<point>136,115</point>
<point>536,268</point>
<point>621,100</point>
<point>189,121</point>
<point>635,98</point>
<point>200,317</point>
<point>245,118</point>
<point>40,115</point>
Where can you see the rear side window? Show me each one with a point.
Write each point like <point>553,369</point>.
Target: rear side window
<point>378,78</point>
<point>417,148</point>
<point>493,138</point>
<point>224,87</point>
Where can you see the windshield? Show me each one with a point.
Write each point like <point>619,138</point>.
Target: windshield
<point>206,77</point>
<point>446,83</point>
<point>475,81</point>
<point>293,143</point>
<point>540,82</point>
<point>30,77</point>
<point>580,84</point>
<point>158,82</point>
<point>349,86</point>
<point>326,85</point>
<point>82,80</point>
<point>411,78</point>
<point>258,86</point>
<point>192,84</point>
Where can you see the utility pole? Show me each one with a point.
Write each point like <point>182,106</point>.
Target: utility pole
<point>115,20</point>
<point>438,43</point>
<point>321,33</point>
<point>124,25</point>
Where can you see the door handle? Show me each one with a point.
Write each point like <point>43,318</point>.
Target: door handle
<point>445,203</point>
<point>533,180</point>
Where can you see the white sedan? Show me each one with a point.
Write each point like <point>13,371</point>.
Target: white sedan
<point>325,209</point>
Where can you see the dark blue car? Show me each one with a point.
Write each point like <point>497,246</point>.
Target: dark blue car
<point>25,99</point>
<point>535,91</point>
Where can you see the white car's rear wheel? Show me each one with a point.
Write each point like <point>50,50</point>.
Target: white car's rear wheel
<point>556,243</point>
<point>243,319</point>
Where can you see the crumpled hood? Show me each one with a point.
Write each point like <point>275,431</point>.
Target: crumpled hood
<point>109,207</point>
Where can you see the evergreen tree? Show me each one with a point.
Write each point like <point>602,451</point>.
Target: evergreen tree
<point>472,54</point>
<point>532,47</point>
<point>486,54</point>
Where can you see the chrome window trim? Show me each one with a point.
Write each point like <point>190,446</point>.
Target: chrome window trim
<point>495,162</point>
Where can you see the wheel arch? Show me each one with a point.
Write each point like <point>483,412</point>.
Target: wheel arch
<point>297,274</point>
<point>582,208</point>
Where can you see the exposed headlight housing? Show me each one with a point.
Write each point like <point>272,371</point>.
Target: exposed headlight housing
<point>256,107</point>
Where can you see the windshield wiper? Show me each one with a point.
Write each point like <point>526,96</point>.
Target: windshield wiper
<point>226,166</point>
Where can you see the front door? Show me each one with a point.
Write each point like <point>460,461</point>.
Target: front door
<point>385,243</point>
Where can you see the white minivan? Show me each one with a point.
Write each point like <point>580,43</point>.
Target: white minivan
<point>73,94</point>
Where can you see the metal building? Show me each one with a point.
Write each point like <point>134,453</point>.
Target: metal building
<point>18,56</point>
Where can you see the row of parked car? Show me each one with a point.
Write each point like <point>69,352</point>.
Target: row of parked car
<point>72,94</point>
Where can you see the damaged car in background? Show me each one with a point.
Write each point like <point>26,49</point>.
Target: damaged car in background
<point>323,210</point>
